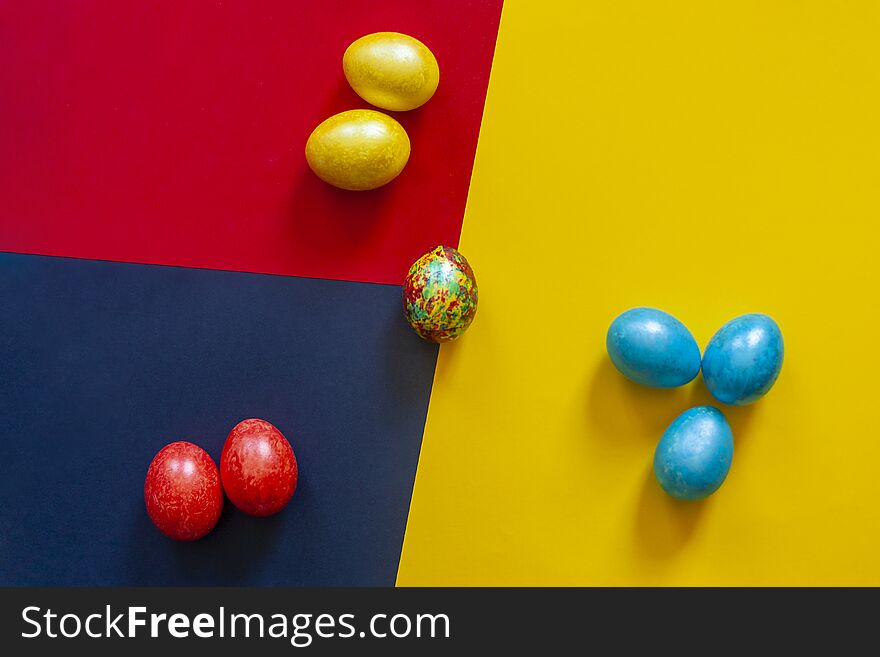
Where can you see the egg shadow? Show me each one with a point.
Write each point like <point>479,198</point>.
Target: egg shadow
<point>410,120</point>
<point>235,548</point>
<point>621,410</point>
<point>333,221</point>
<point>342,99</point>
<point>663,524</point>
<point>624,411</point>
<point>446,363</point>
<point>328,219</point>
<point>402,344</point>
<point>230,555</point>
<point>739,417</point>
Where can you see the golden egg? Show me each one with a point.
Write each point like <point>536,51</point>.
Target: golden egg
<point>391,70</point>
<point>358,149</point>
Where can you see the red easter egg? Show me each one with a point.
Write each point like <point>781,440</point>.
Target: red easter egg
<point>182,492</point>
<point>258,468</point>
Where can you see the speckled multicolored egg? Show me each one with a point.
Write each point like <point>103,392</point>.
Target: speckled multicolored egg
<point>440,295</point>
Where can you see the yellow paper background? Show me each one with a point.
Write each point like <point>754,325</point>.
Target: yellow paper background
<point>709,159</point>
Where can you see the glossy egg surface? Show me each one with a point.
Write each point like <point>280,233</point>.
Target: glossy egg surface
<point>358,150</point>
<point>743,359</point>
<point>440,295</point>
<point>653,348</point>
<point>694,455</point>
<point>258,468</point>
<point>391,70</point>
<point>182,491</point>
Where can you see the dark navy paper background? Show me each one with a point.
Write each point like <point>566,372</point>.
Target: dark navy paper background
<point>101,364</point>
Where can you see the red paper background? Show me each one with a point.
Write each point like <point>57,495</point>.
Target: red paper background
<point>173,133</point>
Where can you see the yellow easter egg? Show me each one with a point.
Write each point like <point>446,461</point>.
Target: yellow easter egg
<point>391,70</point>
<point>358,149</point>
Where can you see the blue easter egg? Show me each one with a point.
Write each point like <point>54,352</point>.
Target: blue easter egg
<point>694,454</point>
<point>743,359</point>
<point>653,348</point>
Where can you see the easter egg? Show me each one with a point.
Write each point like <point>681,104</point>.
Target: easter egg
<point>258,468</point>
<point>440,295</point>
<point>653,348</point>
<point>358,149</point>
<point>693,456</point>
<point>391,70</point>
<point>743,359</point>
<point>182,492</point>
